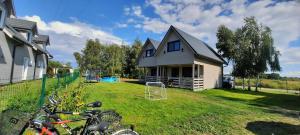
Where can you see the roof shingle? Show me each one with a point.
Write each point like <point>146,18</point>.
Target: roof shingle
<point>21,24</point>
<point>200,47</point>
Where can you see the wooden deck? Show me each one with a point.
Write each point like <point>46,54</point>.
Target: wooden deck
<point>181,82</point>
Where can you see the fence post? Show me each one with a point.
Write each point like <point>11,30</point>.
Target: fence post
<point>41,102</point>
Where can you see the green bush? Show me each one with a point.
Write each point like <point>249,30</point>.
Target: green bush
<point>72,99</point>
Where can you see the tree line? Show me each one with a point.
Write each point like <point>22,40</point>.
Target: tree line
<point>109,59</point>
<point>250,49</point>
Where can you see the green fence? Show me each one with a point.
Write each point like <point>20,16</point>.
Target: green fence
<point>23,98</point>
<point>29,95</point>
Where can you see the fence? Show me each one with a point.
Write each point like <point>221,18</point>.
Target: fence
<point>26,97</point>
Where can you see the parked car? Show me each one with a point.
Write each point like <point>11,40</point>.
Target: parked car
<point>228,81</point>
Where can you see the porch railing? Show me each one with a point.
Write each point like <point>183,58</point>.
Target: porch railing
<point>182,82</point>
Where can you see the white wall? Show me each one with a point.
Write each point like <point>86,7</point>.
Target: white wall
<point>212,75</point>
<point>175,57</point>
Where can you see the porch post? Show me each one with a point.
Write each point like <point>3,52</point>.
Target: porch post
<point>163,72</point>
<point>145,74</point>
<point>198,68</point>
<point>193,76</point>
<point>180,75</point>
<point>157,68</point>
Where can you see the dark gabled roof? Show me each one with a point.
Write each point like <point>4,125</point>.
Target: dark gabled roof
<point>17,35</point>
<point>41,39</point>
<point>155,43</point>
<point>200,47</point>
<point>22,24</point>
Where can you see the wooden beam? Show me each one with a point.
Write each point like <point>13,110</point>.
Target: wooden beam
<point>193,76</point>
<point>157,70</point>
<point>198,68</point>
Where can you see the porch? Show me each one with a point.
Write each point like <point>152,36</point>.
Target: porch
<point>182,76</point>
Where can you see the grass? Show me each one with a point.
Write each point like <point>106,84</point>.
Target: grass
<point>275,84</point>
<point>214,111</point>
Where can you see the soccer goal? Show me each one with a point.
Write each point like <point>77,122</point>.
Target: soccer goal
<point>155,91</point>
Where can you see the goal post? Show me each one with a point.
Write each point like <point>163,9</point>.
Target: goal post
<point>155,91</point>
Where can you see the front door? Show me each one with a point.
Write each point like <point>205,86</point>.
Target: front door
<point>25,68</point>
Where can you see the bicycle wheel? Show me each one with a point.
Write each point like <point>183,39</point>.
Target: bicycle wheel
<point>112,117</point>
<point>124,132</point>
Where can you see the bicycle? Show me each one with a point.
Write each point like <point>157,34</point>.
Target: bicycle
<point>97,121</point>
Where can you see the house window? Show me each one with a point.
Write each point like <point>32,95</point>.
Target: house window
<point>149,53</point>
<point>174,46</point>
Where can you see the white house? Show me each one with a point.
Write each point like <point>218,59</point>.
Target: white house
<point>181,60</point>
<point>23,53</point>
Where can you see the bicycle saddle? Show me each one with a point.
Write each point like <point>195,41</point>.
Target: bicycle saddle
<point>94,104</point>
<point>102,126</point>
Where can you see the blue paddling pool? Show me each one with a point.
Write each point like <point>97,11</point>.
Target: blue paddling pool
<point>109,79</point>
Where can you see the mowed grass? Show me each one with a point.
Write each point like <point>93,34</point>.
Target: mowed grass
<point>274,84</point>
<point>214,111</point>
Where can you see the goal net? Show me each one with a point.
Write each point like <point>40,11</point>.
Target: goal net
<point>155,91</point>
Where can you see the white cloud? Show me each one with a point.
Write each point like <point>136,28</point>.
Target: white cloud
<point>76,29</point>
<point>201,19</point>
<point>66,38</point>
<point>121,25</point>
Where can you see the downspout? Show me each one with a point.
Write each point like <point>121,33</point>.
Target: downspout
<point>13,64</point>
<point>35,60</point>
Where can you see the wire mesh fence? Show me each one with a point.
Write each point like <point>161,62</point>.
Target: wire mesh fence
<point>21,98</point>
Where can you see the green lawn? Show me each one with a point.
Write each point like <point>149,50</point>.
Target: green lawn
<point>214,111</point>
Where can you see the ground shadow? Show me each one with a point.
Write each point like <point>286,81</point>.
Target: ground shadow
<point>285,101</point>
<point>271,127</point>
<point>134,82</point>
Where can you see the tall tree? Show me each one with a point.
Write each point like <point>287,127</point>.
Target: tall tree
<point>225,44</point>
<point>251,49</point>
<point>262,49</point>
<point>136,48</point>
<point>79,61</point>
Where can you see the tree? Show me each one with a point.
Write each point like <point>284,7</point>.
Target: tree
<point>225,43</point>
<point>133,57</point>
<point>112,59</point>
<point>250,49</point>
<point>264,55</point>
<point>79,61</point>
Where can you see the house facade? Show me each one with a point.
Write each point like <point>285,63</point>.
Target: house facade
<point>23,54</point>
<point>181,60</point>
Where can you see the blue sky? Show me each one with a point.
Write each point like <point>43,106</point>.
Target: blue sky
<point>70,22</point>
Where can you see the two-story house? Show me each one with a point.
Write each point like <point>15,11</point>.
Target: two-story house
<point>23,54</point>
<point>181,60</point>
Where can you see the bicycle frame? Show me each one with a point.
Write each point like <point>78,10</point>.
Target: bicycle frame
<point>53,114</point>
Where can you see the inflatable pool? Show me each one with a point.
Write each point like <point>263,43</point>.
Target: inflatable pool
<point>109,79</point>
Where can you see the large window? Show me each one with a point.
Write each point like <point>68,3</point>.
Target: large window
<point>174,46</point>
<point>149,52</point>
